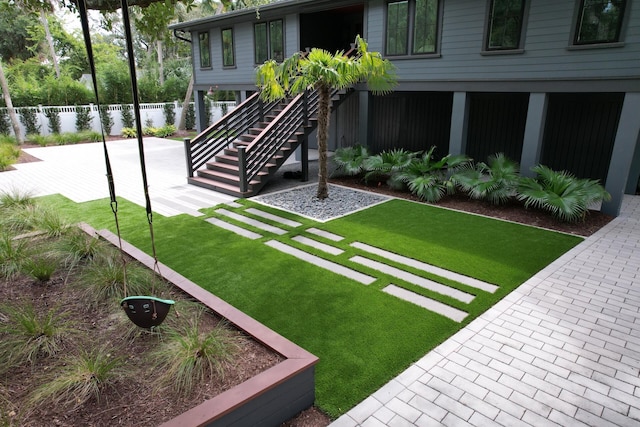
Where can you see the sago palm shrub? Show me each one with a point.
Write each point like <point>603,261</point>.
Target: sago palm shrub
<point>350,160</point>
<point>430,179</point>
<point>495,181</point>
<point>387,166</point>
<point>567,198</point>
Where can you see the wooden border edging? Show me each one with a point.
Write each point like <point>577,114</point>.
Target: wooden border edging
<point>267,399</point>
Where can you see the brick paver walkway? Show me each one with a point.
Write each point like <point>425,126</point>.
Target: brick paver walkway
<point>562,349</point>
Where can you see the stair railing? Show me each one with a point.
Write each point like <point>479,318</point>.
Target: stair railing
<point>224,132</point>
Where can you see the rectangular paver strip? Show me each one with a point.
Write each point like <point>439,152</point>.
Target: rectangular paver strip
<point>325,234</point>
<point>321,262</point>
<point>416,280</point>
<point>272,217</point>
<point>465,280</point>
<point>181,207</point>
<point>234,228</point>
<point>424,302</point>
<point>318,245</point>
<point>254,222</point>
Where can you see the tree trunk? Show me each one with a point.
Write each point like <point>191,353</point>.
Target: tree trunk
<point>185,106</point>
<point>52,50</point>
<point>324,115</point>
<point>9,104</point>
<point>160,61</point>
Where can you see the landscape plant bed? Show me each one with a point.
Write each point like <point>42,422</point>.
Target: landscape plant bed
<point>262,363</point>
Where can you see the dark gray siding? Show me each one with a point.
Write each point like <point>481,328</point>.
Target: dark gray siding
<point>546,56</point>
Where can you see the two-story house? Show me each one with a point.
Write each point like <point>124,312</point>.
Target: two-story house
<point>555,82</point>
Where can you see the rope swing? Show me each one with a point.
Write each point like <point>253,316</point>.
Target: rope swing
<point>144,311</point>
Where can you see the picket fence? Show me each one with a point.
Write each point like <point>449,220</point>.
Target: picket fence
<point>152,114</point>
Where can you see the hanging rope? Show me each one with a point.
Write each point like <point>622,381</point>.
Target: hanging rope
<point>82,8</point>
<point>136,109</point>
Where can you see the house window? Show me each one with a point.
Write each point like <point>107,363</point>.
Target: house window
<point>599,21</point>
<point>205,54</point>
<point>505,24</point>
<point>228,58</point>
<point>268,39</point>
<point>412,26</point>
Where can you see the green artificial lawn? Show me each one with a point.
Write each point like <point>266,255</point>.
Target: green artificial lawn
<point>362,336</point>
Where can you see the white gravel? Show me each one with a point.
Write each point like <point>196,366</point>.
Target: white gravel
<point>303,201</point>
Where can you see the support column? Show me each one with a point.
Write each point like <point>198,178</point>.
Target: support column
<point>201,120</point>
<point>533,133</point>
<point>364,118</point>
<point>624,147</point>
<point>459,122</point>
<point>634,175</point>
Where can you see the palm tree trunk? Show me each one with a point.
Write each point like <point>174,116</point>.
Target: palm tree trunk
<point>9,104</point>
<point>160,61</point>
<point>324,115</point>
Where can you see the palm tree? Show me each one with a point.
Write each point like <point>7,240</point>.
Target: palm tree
<point>324,72</point>
<point>9,104</point>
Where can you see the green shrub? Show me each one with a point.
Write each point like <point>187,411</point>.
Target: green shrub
<point>89,135</point>
<point>350,160</point>
<point>189,355</point>
<point>28,117</point>
<point>126,115</point>
<point>105,119</point>
<point>387,166</point>
<point>5,124</point>
<point>41,140</point>
<point>8,155</point>
<point>13,256</point>
<point>169,113</point>
<point>164,131</point>
<point>28,334</point>
<point>430,179</point>
<point>41,267</point>
<point>68,138</point>
<point>567,198</point>
<point>53,115</point>
<point>129,132</point>
<point>6,139</point>
<point>83,118</point>
<point>79,379</point>
<point>190,120</point>
<point>495,181</point>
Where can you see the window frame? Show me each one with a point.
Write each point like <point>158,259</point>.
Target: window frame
<point>577,23</point>
<point>268,35</point>
<point>410,32</point>
<point>524,15</point>
<point>204,42</point>
<point>233,53</point>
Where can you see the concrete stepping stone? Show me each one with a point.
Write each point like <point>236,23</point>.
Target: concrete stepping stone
<point>416,280</point>
<point>272,217</point>
<point>325,234</point>
<point>234,228</point>
<point>253,222</point>
<point>317,245</point>
<point>321,262</point>
<point>180,207</point>
<point>466,280</point>
<point>424,302</point>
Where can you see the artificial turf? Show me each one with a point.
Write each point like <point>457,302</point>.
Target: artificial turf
<point>362,336</point>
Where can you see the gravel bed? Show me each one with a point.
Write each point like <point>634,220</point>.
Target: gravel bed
<point>303,201</point>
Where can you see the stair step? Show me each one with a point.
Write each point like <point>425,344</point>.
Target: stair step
<point>220,187</point>
<point>227,178</point>
<point>227,158</point>
<point>223,167</point>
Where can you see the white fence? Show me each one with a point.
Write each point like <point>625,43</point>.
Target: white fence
<point>149,113</point>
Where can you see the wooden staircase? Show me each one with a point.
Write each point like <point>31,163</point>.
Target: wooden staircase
<point>240,153</point>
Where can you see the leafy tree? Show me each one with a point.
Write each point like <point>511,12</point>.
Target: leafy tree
<point>323,71</point>
<point>13,32</point>
<point>169,113</point>
<point>5,126</point>
<point>190,117</point>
